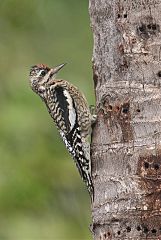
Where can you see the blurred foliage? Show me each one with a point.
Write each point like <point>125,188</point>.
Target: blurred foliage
<point>41,193</point>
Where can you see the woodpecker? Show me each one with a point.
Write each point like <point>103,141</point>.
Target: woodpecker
<point>70,112</point>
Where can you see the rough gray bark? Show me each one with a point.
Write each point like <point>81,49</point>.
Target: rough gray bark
<point>126,141</point>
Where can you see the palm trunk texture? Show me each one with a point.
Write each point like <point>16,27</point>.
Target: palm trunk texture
<point>126,138</point>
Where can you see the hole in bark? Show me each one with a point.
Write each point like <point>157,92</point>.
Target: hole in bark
<point>118,16</point>
<point>142,28</point>
<point>156,166</point>
<point>109,234</point>
<point>104,235</point>
<point>149,26</point>
<point>128,229</point>
<point>154,27</point>
<point>138,228</point>
<point>154,231</point>
<point>146,164</point>
<point>138,110</point>
<point>118,232</point>
<point>110,107</point>
<point>125,15</point>
<point>146,230</point>
<point>125,110</point>
<point>159,74</point>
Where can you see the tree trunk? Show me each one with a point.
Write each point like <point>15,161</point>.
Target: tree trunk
<point>126,141</point>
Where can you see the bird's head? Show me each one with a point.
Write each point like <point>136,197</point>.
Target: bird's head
<point>40,75</point>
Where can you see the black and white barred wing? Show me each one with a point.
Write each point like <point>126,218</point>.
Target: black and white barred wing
<point>66,120</point>
<point>74,145</point>
<point>62,109</point>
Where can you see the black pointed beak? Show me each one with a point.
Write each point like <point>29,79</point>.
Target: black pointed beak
<point>57,68</point>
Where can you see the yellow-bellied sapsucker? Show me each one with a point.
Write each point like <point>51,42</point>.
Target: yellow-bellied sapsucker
<point>69,110</point>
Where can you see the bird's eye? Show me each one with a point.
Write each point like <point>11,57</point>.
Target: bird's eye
<point>42,73</point>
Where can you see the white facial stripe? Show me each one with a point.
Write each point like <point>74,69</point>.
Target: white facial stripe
<point>39,73</point>
<point>72,113</point>
<point>46,77</point>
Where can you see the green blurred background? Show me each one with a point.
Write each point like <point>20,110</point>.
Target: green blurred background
<point>41,193</point>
